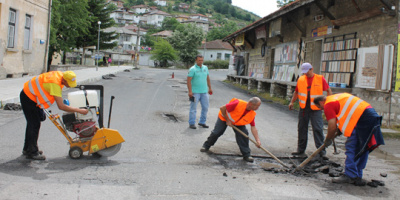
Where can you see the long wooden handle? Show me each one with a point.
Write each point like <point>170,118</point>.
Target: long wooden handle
<point>311,157</point>
<point>269,153</point>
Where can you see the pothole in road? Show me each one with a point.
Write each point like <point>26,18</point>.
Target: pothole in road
<point>171,117</point>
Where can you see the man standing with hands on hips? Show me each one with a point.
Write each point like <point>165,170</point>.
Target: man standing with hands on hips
<point>309,86</point>
<point>198,83</point>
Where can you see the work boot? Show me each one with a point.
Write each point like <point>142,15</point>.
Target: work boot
<point>203,149</point>
<point>192,126</point>
<point>36,157</point>
<point>203,125</point>
<point>359,181</point>
<point>248,159</point>
<point>299,154</point>
<point>25,153</point>
<point>343,179</point>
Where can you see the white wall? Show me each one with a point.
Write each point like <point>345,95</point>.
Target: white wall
<point>211,54</point>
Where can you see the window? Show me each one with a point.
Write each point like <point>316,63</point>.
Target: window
<point>11,28</point>
<point>27,32</point>
<point>227,56</point>
<point>219,56</point>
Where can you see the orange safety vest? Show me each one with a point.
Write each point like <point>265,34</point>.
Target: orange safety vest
<point>236,116</point>
<point>316,90</point>
<point>35,91</point>
<point>351,109</point>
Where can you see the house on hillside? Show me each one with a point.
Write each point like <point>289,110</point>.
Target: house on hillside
<point>126,40</point>
<point>24,36</point>
<point>353,44</point>
<point>123,17</point>
<point>199,23</point>
<point>118,3</point>
<point>199,17</point>
<point>181,18</point>
<point>156,17</point>
<point>161,2</point>
<point>215,50</point>
<point>140,9</point>
<point>163,34</point>
<point>184,7</point>
<point>135,29</point>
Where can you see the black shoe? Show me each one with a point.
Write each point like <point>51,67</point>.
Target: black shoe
<point>203,149</point>
<point>359,182</point>
<point>299,154</point>
<point>248,159</point>
<point>36,157</point>
<point>25,153</point>
<point>203,125</point>
<point>192,126</point>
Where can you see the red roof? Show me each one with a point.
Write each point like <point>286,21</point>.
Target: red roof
<point>217,44</point>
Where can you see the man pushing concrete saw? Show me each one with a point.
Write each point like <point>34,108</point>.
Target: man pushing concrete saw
<point>237,113</point>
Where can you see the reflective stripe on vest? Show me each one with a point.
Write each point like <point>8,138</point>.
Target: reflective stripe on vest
<point>236,116</point>
<point>351,109</point>
<point>316,90</point>
<point>35,91</point>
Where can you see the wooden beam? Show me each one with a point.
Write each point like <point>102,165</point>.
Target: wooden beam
<point>355,5</point>
<point>251,44</point>
<point>357,17</point>
<point>324,10</point>
<point>233,46</point>
<point>387,5</point>
<point>298,26</point>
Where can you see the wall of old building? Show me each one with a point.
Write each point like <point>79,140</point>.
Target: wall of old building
<point>15,62</point>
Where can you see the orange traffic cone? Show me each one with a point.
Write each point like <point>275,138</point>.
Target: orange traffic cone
<point>172,74</point>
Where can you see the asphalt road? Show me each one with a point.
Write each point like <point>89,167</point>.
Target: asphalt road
<point>161,159</point>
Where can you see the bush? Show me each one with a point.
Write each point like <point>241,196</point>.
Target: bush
<point>217,64</point>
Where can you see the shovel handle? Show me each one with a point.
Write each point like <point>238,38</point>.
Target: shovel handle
<point>269,153</point>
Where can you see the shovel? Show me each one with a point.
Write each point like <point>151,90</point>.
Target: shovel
<point>269,153</point>
<point>322,147</point>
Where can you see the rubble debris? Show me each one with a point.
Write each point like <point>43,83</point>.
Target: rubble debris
<point>106,77</point>
<point>127,70</point>
<point>380,183</point>
<point>12,106</point>
<point>383,174</point>
<point>224,174</point>
<point>112,75</point>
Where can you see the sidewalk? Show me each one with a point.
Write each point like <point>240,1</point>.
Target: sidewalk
<point>10,88</point>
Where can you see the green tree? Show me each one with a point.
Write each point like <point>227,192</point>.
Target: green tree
<point>170,23</point>
<point>139,2</point>
<point>68,21</point>
<point>129,3</point>
<point>221,32</point>
<point>163,52</point>
<point>99,10</point>
<point>283,2</point>
<point>186,39</point>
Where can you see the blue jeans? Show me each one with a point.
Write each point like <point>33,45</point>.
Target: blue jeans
<point>354,167</point>
<point>203,99</point>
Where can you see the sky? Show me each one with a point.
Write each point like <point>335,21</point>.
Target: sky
<point>261,8</point>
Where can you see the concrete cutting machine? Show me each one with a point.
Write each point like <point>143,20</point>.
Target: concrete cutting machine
<point>90,135</point>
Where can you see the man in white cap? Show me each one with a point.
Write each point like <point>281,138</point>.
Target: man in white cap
<point>309,86</point>
<point>38,94</point>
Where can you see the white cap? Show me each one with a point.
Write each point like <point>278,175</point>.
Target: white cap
<point>305,67</point>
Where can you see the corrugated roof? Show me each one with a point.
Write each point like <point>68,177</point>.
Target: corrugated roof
<point>166,33</point>
<point>217,44</point>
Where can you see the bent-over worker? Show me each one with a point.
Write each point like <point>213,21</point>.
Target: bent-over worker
<point>359,122</point>
<point>237,113</point>
<point>38,94</point>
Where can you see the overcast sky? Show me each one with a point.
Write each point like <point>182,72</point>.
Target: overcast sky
<point>261,8</point>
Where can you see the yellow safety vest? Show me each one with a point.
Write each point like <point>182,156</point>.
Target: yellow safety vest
<point>35,91</point>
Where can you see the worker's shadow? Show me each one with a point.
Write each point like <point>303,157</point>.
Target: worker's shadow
<point>40,169</point>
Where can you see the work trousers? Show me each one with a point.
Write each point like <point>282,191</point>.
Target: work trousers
<point>33,116</point>
<point>203,98</point>
<point>365,125</point>
<point>315,116</point>
<point>219,129</point>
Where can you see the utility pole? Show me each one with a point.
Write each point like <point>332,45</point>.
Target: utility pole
<point>98,48</point>
<point>137,46</point>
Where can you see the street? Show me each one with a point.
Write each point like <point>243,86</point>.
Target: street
<point>161,157</point>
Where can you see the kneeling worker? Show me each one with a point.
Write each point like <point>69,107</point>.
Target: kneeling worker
<point>237,113</point>
<point>360,123</point>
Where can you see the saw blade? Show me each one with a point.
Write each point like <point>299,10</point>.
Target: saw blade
<point>110,151</point>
